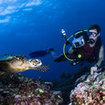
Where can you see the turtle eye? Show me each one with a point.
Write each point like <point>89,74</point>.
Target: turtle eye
<point>37,61</point>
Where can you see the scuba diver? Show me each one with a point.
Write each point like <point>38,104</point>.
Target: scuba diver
<point>86,46</point>
<point>98,48</point>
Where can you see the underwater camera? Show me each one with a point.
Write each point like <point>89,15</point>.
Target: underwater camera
<point>79,39</point>
<point>78,42</point>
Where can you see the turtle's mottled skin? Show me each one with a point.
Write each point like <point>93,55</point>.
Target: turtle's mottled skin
<point>20,64</point>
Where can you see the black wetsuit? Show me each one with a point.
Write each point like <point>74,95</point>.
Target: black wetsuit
<point>95,55</point>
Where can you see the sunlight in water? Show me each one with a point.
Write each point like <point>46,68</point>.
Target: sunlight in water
<point>8,7</point>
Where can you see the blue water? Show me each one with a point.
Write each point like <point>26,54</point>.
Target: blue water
<point>29,25</point>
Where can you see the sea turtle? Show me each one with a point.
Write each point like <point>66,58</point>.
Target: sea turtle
<point>18,63</point>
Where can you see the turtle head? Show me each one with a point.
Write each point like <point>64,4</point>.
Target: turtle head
<point>35,62</point>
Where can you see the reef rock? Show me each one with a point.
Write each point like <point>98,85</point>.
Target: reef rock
<point>91,91</point>
<point>20,90</point>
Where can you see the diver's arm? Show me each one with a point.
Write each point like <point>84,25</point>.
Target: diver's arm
<point>71,50</point>
<point>99,62</point>
<point>101,56</point>
<point>61,57</point>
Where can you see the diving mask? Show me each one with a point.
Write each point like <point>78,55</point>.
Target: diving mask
<point>93,33</point>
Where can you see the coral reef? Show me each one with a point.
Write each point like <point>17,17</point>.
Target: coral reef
<point>16,89</point>
<point>86,89</point>
<point>90,91</point>
<point>69,83</point>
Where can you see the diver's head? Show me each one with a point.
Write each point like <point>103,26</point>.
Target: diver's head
<point>94,32</point>
<point>80,39</point>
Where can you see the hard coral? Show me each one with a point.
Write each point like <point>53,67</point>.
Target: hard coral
<point>27,91</point>
<point>89,92</point>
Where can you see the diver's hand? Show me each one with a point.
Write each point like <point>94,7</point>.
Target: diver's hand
<point>93,69</point>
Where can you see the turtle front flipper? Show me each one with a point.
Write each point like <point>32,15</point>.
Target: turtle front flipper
<point>41,68</point>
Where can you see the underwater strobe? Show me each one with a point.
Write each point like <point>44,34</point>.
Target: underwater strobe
<point>68,42</point>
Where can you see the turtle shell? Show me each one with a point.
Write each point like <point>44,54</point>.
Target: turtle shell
<point>12,57</point>
<point>6,58</point>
